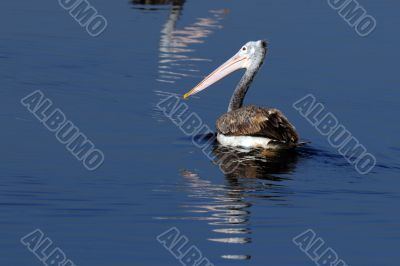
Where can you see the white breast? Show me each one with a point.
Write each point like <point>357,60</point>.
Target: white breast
<point>245,141</point>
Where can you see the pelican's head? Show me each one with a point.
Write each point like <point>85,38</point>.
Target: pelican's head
<point>250,57</point>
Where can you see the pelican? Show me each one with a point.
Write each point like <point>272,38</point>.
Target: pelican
<point>248,126</point>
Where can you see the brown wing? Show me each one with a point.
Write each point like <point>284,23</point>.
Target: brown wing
<point>255,121</point>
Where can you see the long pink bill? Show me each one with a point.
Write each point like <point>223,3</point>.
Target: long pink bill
<point>234,63</point>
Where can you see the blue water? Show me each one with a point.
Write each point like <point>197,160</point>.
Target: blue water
<point>153,177</point>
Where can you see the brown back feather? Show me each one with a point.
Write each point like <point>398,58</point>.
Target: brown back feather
<point>256,121</point>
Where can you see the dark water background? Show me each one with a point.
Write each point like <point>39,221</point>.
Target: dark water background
<point>153,177</point>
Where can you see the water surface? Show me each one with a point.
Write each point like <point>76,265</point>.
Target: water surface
<point>153,177</point>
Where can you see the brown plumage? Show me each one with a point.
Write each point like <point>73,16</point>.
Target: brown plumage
<point>256,121</point>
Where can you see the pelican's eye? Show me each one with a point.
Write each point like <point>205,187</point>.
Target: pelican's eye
<point>244,48</point>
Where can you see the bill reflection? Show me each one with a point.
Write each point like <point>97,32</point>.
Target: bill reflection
<point>177,44</point>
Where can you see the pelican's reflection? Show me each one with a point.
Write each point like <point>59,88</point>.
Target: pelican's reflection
<point>227,207</point>
<point>262,164</point>
<point>176,44</point>
<point>143,3</point>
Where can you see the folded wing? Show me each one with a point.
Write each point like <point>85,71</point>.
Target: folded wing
<point>256,121</point>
